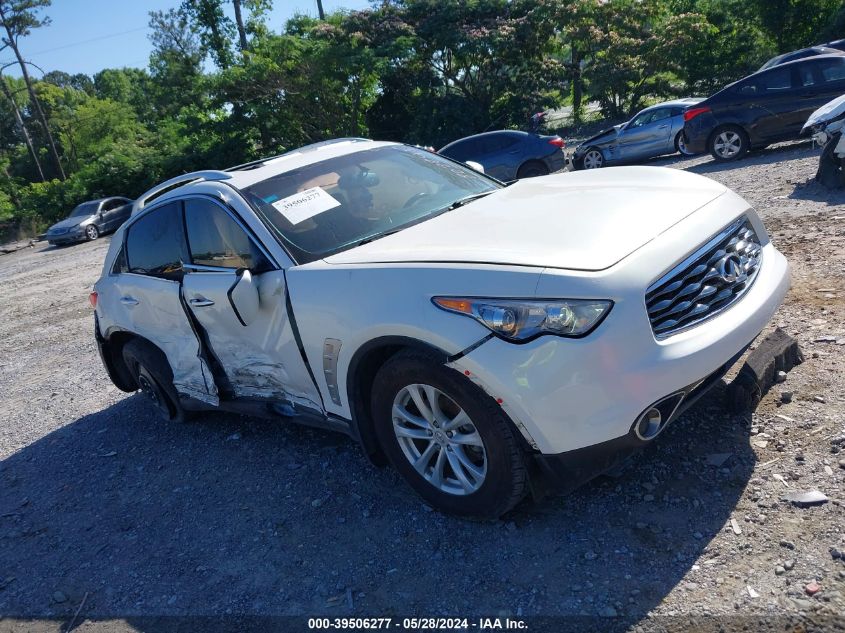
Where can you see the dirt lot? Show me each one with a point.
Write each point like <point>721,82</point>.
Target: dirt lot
<point>232,516</point>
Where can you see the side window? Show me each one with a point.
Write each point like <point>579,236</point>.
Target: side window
<point>660,114</point>
<point>155,245</point>
<point>112,204</point>
<point>832,70</point>
<point>215,239</point>
<point>642,119</point>
<point>775,81</point>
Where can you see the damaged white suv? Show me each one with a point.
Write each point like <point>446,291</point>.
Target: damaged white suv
<point>474,334</point>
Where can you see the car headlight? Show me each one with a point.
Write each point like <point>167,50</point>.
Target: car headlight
<point>522,320</point>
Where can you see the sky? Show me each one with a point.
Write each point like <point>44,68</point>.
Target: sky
<point>86,36</point>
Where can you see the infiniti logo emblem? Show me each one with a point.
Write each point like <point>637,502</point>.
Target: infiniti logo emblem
<point>729,268</point>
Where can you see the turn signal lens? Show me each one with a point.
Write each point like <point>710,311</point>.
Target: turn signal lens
<point>519,320</point>
<point>454,305</point>
<point>92,299</point>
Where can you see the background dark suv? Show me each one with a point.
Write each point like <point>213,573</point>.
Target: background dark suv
<point>764,108</point>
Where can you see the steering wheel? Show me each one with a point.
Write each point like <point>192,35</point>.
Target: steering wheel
<point>414,199</point>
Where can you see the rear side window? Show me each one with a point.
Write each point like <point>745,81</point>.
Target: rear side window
<point>500,142</point>
<point>155,245</point>
<point>462,151</point>
<point>776,80</point>
<point>216,239</point>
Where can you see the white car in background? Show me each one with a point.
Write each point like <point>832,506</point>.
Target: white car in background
<point>475,335</point>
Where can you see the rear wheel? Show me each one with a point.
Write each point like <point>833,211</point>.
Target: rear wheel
<point>92,232</point>
<point>728,143</point>
<point>532,169</point>
<point>447,438</point>
<point>592,159</point>
<point>681,146</point>
<point>149,368</point>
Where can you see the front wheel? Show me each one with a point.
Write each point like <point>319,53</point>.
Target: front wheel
<point>728,143</point>
<point>447,438</point>
<point>593,159</point>
<point>92,232</point>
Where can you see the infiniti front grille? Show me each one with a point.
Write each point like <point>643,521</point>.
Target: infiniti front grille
<point>705,283</point>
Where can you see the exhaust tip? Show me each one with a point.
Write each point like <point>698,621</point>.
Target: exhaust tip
<point>654,419</point>
<point>649,424</point>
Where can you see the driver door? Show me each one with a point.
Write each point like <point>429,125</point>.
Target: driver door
<point>648,134</point>
<point>254,344</point>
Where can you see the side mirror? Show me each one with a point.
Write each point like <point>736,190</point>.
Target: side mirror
<point>243,297</point>
<point>476,166</point>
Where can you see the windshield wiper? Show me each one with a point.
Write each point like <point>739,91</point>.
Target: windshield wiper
<point>466,200</point>
<point>372,238</point>
<point>454,205</point>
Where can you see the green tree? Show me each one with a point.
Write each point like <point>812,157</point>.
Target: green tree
<point>793,24</point>
<point>17,19</point>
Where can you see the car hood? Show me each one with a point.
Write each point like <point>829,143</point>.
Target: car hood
<point>69,223</point>
<point>587,220</point>
<point>827,113</point>
<point>603,136</point>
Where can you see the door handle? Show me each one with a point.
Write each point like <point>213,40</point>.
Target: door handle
<point>201,302</point>
<point>662,127</point>
<point>129,301</point>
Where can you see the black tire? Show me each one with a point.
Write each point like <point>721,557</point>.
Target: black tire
<point>734,141</point>
<point>830,172</point>
<point>532,169</point>
<point>152,374</point>
<point>506,479</point>
<point>92,232</point>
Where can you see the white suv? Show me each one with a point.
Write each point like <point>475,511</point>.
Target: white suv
<point>474,334</point>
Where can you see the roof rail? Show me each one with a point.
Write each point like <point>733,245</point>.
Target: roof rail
<point>178,181</point>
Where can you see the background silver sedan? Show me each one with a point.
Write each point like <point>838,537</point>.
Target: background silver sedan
<point>654,131</point>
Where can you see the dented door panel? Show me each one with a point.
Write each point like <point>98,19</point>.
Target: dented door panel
<point>261,360</point>
<point>152,308</point>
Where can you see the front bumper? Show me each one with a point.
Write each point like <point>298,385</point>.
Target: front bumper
<point>570,469</point>
<point>568,394</point>
<point>65,238</point>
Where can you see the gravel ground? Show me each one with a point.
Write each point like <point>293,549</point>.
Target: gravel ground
<point>233,516</point>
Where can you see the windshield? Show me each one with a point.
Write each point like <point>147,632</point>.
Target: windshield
<point>335,204</point>
<point>86,208</point>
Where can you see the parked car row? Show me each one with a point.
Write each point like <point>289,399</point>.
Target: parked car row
<point>767,107</point>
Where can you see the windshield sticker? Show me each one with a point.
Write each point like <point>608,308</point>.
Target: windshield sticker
<point>305,204</point>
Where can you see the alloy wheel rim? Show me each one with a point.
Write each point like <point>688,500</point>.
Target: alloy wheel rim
<point>682,146</point>
<point>593,160</point>
<point>728,144</point>
<point>91,231</point>
<point>439,439</point>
